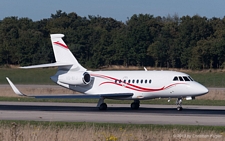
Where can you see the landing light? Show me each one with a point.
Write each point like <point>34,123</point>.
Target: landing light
<point>190,97</point>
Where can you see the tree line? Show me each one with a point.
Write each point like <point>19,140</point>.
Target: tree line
<point>143,40</point>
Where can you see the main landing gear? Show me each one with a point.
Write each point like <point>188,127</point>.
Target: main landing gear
<point>179,102</point>
<point>135,105</point>
<point>101,105</point>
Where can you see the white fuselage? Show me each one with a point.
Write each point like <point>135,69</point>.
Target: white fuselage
<point>143,84</point>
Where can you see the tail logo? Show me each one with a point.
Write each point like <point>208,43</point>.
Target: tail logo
<point>62,45</point>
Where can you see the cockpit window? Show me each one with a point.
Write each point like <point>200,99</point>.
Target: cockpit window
<point>175,78</point>
<point>186,78</point>
<point>190,78</point>
<point>180,78</point>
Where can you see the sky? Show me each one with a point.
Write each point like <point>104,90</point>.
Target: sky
<point>120,10</point>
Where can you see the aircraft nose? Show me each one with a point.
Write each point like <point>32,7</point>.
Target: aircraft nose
<point>202,89</point>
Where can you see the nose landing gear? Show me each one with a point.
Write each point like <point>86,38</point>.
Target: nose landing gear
<point>179,102</point>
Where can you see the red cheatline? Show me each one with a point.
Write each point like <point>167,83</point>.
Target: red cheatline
<point>62,45</point>
<point>131,86</point>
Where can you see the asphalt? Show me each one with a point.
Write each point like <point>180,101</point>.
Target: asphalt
<point>116,113</point>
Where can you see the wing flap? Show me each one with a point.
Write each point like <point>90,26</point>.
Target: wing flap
<point>65,96</point>
<point>97,96</point>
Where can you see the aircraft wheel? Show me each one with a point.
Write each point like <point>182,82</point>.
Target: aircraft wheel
<point>179,108</point>
<point>103,106</point>
<point>134,105</point>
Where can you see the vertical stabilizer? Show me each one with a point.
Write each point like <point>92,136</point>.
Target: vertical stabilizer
<point>62,52</point>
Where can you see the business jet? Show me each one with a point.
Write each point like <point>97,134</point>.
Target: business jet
<point>123,85</point>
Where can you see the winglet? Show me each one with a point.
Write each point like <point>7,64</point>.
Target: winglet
<point>145,69</point>
<point>14,88</point>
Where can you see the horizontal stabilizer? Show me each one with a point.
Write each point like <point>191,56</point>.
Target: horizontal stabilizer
<point>47,65</point>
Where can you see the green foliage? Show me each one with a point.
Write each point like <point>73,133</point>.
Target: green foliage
<point>143,40</point>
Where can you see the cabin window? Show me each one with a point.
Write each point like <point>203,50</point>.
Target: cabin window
<point>150,81</point>
<point>180,78</point>
<point>141,81</point>
<point>137,81</point>
<point>133,81</point>
<point>129,81</point>
<point>124,81</point>
<point>146,81</point>
<point>175,78</point>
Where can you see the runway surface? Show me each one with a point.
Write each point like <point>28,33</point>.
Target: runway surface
<point>116,113</point>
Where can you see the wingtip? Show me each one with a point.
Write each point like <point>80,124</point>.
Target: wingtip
<point>16,91</point>
<point>145,69</point>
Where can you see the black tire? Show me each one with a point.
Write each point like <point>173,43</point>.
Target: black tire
<point>134,105</point>
<point>103,106</point>
<point>179,108</point>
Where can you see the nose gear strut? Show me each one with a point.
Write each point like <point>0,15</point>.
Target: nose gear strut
<point>179,102</point>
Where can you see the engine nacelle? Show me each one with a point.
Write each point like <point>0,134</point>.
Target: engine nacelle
<point>75,78</point>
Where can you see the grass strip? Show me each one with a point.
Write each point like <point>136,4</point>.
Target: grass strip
<point>67,131</point>
<point>189,128</point>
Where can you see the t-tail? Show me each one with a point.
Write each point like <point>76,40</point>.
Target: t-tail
<point>63,56</point>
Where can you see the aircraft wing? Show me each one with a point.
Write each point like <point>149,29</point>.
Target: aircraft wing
<point>97,96</point>
<point>63,96</point>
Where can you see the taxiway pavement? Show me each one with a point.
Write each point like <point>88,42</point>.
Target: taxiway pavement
<point>116,113</point>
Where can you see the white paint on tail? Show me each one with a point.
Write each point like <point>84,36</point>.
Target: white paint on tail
<point>63,56</point>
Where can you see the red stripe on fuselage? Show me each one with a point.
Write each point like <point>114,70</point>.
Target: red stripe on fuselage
<point>131,86</point>
<point>62,45</point>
